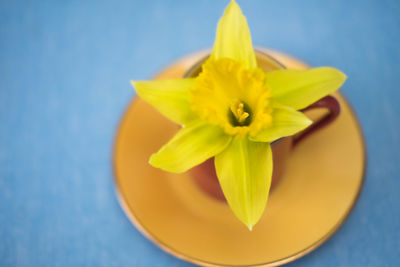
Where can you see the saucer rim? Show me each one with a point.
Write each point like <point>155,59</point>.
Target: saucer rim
<point>129,212</point>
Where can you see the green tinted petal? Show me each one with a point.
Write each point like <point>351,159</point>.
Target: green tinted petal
<point>244,170</point>
<point>286,121</point>
<point>170,97</point>
<point>191,146</point>
<point>301,88</point>
<point>233,39</point>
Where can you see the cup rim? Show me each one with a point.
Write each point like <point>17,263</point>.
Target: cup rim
<point>192,69</point>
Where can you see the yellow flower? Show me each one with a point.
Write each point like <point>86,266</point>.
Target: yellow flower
<point>232,111</point>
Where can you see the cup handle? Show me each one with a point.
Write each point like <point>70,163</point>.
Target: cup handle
<point>328,102</point>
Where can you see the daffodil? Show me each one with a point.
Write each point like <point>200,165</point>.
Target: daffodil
<point>232,111</point>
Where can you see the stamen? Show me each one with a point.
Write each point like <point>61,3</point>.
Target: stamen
<point>244,117</point>
<point>237,109</point>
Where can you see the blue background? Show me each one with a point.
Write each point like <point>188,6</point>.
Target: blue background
<point>65,68</point>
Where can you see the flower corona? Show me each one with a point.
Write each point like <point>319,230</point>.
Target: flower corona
<point>228,94</point>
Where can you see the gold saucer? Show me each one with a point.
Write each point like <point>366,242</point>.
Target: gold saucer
<point>321,186</point>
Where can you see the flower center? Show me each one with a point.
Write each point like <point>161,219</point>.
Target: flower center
<point>239,114</point>
<point>231,96</point>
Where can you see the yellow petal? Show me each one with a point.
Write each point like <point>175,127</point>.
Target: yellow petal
<point>191,146</point>
<point>285,121</point>
<point>244,171</point>
<point>170,97</point>
<point>300,88</point>
<point>233,39</point>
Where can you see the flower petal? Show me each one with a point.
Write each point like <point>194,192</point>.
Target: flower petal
<point>244,171</point>
<point>300,88</point>
<point>192,145</point>
<point>286,121</point>
<point>170,97</point>
<point>233,39</point>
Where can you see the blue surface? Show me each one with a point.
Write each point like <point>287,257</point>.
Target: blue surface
<point>65,68</point>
